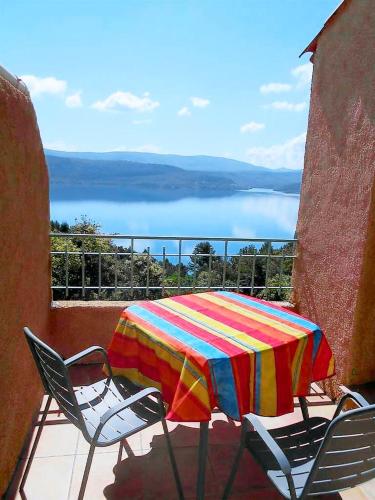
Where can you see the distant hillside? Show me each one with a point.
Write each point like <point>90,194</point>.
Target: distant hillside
<point>132,175</point>
<point>202,163</point>
<point>143,178</point>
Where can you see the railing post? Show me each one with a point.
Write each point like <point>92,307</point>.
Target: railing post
<point>239,272</point>
<point>83,270</point>
<point>100,273</point>
<point>148,272</point>
<point>66,271</point>
<point>269,249</point>
<point>209,269</point>
<point>116,270</point>
<point>131,267</point>
<point>179,265</point>
<point>225,262</point>
<point>195,270</point>
<point>281,269</point>
<point>163,275</point>
<point>253,271</point>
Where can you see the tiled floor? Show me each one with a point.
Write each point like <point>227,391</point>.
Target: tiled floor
<point>143,470</point>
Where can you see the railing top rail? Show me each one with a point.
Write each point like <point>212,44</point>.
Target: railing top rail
<point>186,238</point>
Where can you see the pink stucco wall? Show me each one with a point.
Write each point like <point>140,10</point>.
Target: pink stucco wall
<point>75,326</point>
<point>334,274</point>
<point>24,269</point>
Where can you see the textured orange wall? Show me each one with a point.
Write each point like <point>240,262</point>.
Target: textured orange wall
<point>75,328</point>
<point>334,276</point>
<point>24,268</point>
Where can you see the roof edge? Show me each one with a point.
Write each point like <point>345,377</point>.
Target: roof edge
<point>14,80</point>
<point>314,42</point>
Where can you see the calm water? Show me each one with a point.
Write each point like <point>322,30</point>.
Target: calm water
<point>242,215</point>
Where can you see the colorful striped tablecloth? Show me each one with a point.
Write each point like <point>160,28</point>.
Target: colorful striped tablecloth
<point>220,349</point>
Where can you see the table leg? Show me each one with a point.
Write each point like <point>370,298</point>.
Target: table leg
<point>202,459</point>
<point>304,409</point>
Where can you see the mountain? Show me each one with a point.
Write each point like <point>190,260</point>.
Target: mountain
<point>132,175</point>
<point>202,163</point>
<point>156,180</point>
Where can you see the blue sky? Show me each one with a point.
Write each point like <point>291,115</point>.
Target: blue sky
<point>216,77</point>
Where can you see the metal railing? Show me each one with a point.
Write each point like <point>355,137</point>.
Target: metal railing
<point>126,267</point>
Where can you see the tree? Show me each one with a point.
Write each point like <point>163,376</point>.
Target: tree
<point>249,268</point>
<point>95,261</point>
<point>277,293</point>
<point>203,253</point>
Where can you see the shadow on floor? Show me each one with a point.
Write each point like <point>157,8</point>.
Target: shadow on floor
<point>149,476</point>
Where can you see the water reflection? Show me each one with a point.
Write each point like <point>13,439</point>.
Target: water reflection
<point>243,215</point>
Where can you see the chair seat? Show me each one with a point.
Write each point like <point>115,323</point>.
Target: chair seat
<point>300,442</point>
<point>95,399</point>
<point>299,475</point>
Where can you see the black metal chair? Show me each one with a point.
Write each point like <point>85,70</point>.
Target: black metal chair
<point>106,412</point>
<point>316,456</point>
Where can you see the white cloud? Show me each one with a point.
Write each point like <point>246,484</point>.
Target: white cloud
<point>74,100</point>
<point>59,145</point>
<point>242,232</point>
<point>199,102</point>
<point>146,148</point>
<point>47,85</point>
<point>141,122</point>
<point>185,111</point>
<point>251,127</point>
<point>269,88</point>
<point>281,211</point>
<point>290,154</point>
<point>287,106</point>
<point>303,74</point>
<point>127,100</point>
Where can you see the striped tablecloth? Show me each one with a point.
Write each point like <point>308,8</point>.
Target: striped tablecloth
<point>220,349</point>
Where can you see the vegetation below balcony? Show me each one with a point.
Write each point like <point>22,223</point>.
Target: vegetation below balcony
<point>87,264</point>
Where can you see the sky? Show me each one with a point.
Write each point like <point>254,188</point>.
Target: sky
<point>213,77</point>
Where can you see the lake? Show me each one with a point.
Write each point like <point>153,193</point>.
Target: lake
<point>250,214</point>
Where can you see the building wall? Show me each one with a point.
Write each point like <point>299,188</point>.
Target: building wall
<point>24,268</point>
<point>75,327</point>
<point>334,274</point>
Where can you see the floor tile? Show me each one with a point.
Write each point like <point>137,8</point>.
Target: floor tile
<point>143,470</point>
<point>187,462</point>
<point>364,492</point>
<point>101,475</point>
<point>133,441</point>
<point>55,440</point>
<point>224,431</point>
<point>249,475</point>
<point>49,478</point>
<point>153,436</point>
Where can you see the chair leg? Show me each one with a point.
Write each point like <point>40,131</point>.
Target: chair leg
<point>202,459</point>
<point>173,460</point>
<point>119,456</point>
<point>304,408</point>
<point>86,472</point>
<point>233,472</point>
<point>35,444</point>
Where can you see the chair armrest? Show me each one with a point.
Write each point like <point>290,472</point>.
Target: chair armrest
<point>125,404</point>
<point>354,396</point>
<point>271,444</point>
<point>95,348</point>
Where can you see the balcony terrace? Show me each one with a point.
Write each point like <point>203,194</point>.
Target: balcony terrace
<point>330,271</point>
<point>140,468</point>
<point>124,267</point>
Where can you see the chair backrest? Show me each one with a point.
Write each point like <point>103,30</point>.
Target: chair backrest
<point>55,377</point>
<point>347,454</point>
